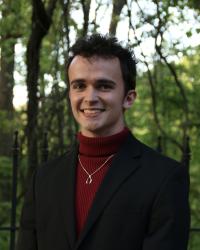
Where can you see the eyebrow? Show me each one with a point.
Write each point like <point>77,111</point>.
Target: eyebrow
<point>79,80</point>
<point>98,81</point>
<point>105,80</point>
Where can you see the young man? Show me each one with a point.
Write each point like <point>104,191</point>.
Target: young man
<point>109,191</point>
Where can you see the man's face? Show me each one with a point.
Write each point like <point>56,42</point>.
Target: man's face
<point>97,95</point>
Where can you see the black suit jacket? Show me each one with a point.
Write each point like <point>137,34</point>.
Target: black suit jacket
<point>142,204</point>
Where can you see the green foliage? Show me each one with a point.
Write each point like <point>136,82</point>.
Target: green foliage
<point>4,240</point>
<point>6,125</point>
<point>5,198</point>
<point>6,178</point>
<point>15,18</point>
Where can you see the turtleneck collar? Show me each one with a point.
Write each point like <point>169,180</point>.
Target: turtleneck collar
<point>101,146</point>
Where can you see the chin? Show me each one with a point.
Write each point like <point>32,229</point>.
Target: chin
<point>92,131</point>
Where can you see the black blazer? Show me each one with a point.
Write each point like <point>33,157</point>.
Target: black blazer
<point>142,204</point>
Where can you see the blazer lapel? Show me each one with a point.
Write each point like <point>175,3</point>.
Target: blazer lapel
<point>67,193</point>
<point>125,162</point>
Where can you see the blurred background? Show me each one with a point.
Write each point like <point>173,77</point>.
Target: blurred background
<point>35,37</point>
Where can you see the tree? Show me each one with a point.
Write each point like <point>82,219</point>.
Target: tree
<point>41,21</point>
<point>117,8</point>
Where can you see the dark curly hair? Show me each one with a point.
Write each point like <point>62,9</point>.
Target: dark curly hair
<point>107,47</point>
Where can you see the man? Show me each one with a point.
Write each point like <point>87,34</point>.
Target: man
<point>109,191</point>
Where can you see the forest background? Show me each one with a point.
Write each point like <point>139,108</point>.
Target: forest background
<point>35,37</point>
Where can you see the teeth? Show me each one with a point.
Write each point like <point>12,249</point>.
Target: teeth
<point>93,111</point>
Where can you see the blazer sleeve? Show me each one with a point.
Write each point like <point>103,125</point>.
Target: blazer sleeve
<point>170,216</point>
<point>27,233</point>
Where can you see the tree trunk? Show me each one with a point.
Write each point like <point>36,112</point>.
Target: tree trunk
<point>41,21</point>
<point>117,8</point>
<point>86,11</point>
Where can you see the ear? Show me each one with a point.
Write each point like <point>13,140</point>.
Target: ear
<point>129,99</point>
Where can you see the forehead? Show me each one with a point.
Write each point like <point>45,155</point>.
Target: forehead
<point>109,63</point>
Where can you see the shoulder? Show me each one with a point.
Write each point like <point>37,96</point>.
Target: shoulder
<point>159,174</point>
<point>55,166</point>
<point>155,163</point>
<point>148,152</point>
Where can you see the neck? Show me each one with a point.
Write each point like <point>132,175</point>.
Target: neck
<point>101,145</point>
<point>98,134</point>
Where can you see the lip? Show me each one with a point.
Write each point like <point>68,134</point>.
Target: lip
<point>92,112</point>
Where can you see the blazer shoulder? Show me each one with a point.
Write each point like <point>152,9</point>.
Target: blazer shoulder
<point>149,152</point>
<point>159,170</point>
<point>156,161</point>
<point>54,165</point>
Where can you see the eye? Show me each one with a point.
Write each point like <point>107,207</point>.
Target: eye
<point>78,85</point>
<point>105,85</point>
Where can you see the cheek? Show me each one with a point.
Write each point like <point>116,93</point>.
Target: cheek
<point>75,103</point>
<point>73,98</point>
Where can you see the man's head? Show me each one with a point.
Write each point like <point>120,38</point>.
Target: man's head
<point>107,47</point>
<point>97,90</point>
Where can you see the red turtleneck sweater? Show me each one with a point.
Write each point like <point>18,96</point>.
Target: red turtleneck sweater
<point>93,152</point>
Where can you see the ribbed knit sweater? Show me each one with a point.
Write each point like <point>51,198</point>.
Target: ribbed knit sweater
<point>93,152</point>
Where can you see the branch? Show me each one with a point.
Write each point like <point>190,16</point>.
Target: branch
<point>178,83</point>
<point>86,10</point>
<point>152,87</point>
<point>117,8</point>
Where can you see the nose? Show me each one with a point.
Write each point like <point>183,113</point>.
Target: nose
<point>91,95</point>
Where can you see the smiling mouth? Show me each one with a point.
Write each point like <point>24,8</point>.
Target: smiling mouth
<point>92,111</point>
